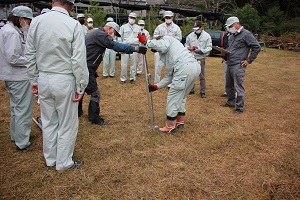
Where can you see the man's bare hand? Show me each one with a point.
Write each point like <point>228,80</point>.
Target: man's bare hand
<point>77,97</point>
<point>34,89</point>
<point>244,63</point>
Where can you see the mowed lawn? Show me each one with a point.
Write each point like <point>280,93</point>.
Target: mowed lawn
<point>218,155</point>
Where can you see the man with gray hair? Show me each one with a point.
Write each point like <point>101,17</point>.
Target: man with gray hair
<point>239,45</point>
<point>58,74</point>
<point>14,73</point>
<point>96,42</point>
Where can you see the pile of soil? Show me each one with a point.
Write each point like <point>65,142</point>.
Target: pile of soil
<point>284,42</point>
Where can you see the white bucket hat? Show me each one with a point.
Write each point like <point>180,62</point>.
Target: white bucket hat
<point>22,11</point>
<point>89,20</point>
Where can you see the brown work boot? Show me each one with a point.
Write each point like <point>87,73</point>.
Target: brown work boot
<point>170,127</point>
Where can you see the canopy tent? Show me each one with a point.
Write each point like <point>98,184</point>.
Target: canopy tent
<point>185,12</point>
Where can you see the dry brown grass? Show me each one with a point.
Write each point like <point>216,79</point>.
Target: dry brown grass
<point>218,155</point>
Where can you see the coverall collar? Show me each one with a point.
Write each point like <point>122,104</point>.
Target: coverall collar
<point>61,10</point>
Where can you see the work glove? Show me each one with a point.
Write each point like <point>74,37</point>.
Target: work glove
<point>142,38</point>
<point>159,37</point>
<point>140,49</point>
<point>198,52</point>
<point>152,87</point>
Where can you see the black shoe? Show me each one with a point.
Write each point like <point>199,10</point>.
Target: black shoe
<point>77,164</point>
<point>100,122</point>
<point>132,81</point>
<point>238,111</point>
<point>50,167</point>
<point>203,95</point>
<point>227,105</point>
<point>112,76</point>
<point>122,82</point>
<point>26,148</point>
<point>224,95</point>
<point>192,92</point>
<point>138,74</point>
<point>105,77</point>
<point>80,113</point>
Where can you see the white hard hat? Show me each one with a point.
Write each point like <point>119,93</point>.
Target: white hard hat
<point>168,14</point>
<point>89,19</point>
<point>141,22</point>
<point>231,20</point>
<point>132,14</point>
<point>110,19</point>
<point>80,15</point>
<point>115,26</point>
<point>22,11</point>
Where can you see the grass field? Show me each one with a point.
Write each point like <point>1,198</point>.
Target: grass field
<point>218,155</point>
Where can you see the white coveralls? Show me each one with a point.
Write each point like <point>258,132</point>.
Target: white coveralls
<point>129,35</point>
<point>140,62</point>
<point>204,44</point>
<point>162,29</point>
<point>109,58</point>
<point>182,72</point>
<point>57,64</point>
<point>14,73</point>
<point>85,29</point>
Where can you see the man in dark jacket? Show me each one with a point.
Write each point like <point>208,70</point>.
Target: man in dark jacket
<point>96,42</point>
<point>239,45</point>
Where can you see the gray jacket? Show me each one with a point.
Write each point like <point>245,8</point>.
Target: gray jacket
<point>239,45</point>
<point>12,59</point>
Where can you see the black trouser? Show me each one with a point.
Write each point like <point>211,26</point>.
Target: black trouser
<point>92,90</point>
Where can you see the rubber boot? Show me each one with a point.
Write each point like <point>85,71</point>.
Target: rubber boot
<point>180,121</point>
<point>170,127</point>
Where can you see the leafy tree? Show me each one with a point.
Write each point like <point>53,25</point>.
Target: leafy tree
<point>248,17</point>
<point>152,21</point>
<point>98,14</point>
<point>272,20</point>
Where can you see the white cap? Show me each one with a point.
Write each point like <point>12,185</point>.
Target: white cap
<point>22,11</point>
<point>168,14</point>
<point>110,19</point>
<point>141,22</point>
<point>89,20</point>
<point>115,26</point>
<point>231,20</point>
<point>80,15</point>
<point>45,10</point>
<point>132,14</point>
